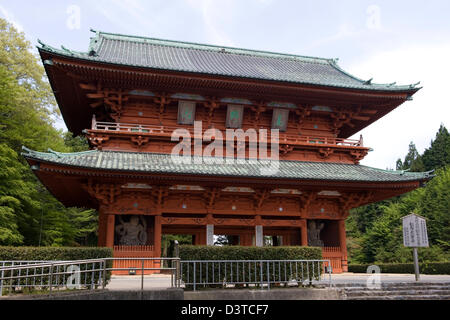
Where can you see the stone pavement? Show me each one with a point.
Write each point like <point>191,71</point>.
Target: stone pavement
<point>158,281</point>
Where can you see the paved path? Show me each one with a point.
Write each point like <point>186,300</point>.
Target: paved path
<point>157,281</point>
<point>387,277</point>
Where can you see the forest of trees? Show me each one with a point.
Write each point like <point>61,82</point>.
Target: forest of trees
<point>375,231</point>
<point>31,216</point>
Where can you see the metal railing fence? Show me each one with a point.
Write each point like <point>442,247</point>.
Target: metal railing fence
<point>94,274</point>
<point>258,273</point>
<point>80,274</point>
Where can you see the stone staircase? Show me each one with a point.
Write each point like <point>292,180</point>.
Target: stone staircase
<point>396,291</point>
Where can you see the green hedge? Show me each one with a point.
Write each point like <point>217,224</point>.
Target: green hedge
<point>53,253</point>
<point>249,253</point>
<point>16,254</point>
<point>213,275</point>
<point>425,268</point>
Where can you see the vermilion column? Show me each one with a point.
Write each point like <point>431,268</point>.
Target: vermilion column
<point>304,233</point>
<point>102,221</point>
<point>343,245</point>
<point>157,236</point>
<point>110,224</point>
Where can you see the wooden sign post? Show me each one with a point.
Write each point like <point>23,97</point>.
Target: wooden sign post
<point>415,236</point>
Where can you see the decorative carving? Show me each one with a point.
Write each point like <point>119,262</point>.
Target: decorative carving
<point>325,152</point>
<point>162,100</point>
<point>353,200</point>
<point>211,105</point>
<point>259,197</point>
<point>113,99</point>
<point>358,155</point>
<point>132,233</point>
<point>305,200</point>
<point>211,195</point>
<point>97,140</point>
<point>314,229</point>
<point>159,193</point>
<point>285,149</point>
<point>258,110</point>
<point>302,112</point>
<point>105,193</point>
<point>140,140</point>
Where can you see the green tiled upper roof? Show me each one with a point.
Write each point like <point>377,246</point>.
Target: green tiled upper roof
<point>162,163</point>
<point>217,60</point>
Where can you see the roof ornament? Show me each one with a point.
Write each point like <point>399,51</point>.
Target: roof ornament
<point>368,82</point>
<point>392,84</point>
<point>414,85</point>
<point>44,46</point>
<point>58,154</point>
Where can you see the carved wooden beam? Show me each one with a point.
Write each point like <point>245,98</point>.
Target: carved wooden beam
<point>159,193</point>
<point>97,140</point>
<point>211,105</point>
<point>353,200</point>
<point>258,110</point>
<point>260,196</point>
<point>285,149</point>
<point>324,153</point>
<point>162,100</point>
<point>105,193</point>
<point>211,195</point>
<point>305,200</point>
<point>140,140</point>
<point>302,112</point>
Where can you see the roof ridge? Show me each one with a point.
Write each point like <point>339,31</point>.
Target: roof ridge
<point>211,47</point>
<point>51,152</point>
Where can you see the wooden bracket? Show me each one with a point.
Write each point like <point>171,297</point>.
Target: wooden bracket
<point>260,196</point>
<point>162,100</point>
<point>211,105</point>
<point>97,140</point>
<point>104,193</point>
<point>140,140</point>
<point>258,110</point>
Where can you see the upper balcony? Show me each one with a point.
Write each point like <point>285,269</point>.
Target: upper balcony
<point>113,136</point>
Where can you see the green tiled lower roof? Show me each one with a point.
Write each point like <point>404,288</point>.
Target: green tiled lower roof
<point>181,56</point>
<point>162,163</point>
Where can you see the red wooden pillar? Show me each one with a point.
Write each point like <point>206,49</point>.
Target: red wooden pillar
<point>246,239</point>
<point>110,225</point>
<point>102,227</point>
<point>304,233</point>
<point>343,245</point>
<point>157,236</point>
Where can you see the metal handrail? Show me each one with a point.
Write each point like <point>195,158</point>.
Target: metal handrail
<point>262,273</point>
<point>254,272</point>
<point>18,273</point>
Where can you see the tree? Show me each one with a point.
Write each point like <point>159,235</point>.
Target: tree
<point>413,161</point>
<point>29,214</point>
<point>438,155</point>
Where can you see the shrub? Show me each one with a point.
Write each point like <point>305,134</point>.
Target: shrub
<point>257,272</point>
<point>424,268</point>
<point>52,253</point>
<point>23,254</point>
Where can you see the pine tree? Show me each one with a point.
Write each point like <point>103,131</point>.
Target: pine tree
<point>438,155</point>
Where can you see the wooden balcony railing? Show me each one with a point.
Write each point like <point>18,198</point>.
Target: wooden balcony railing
<point>168,130</point>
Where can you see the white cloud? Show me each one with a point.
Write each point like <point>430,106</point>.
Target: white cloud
<point>211,12</point>
<point>10,17</point>
<point>416,120</point>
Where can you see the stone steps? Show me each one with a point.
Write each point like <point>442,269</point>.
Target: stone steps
<point>397,291</point>
<point>423,297</point>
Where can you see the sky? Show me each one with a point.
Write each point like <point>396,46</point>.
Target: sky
<point>389,41</point>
